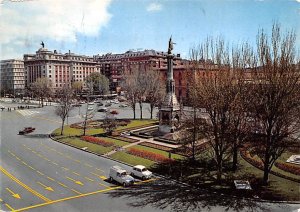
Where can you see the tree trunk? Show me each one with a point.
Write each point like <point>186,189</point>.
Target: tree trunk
<point>219,172</point>
<point>151,111</point>
<point>62,127</point>
<point>235,156</point>
<point>133,108</point>
<point>141,110</point>
<point>266,168</point>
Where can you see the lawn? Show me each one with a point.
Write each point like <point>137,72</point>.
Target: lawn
<point>131,159</point>
<point>77,142</point>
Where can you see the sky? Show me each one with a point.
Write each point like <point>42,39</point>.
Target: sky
<point>92,27</point>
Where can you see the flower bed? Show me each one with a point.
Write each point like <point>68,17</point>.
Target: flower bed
<point>288,168</point>
<point>149,155</point>
<point>156,146</point>
<point>96,140</point>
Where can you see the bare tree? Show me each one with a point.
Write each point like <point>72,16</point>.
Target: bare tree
<point>77,87</point>
<point>42,89</point>
<point>275,99</point>
<point>155,89</point>
<point>65,95</point>
<point>130,86</point>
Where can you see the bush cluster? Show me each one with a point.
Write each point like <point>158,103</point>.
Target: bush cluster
<point>288,168</point>
<point>96,140</point>
<point>149,155</point>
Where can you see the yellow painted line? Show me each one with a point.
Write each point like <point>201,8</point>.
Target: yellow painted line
<point>63,185</point>
<point>40,155</point>
<point>10,208</point>
<point>38,117</point>
<point>103,177</point>
<point>75,181</point>
<point>65,168</point>
<point>95,174</point>
<point>67,198</point>
<point>24,163</point>
<point>46,159</point>
<point>12,154</point>
<point>1,200</point>
<point>89,179</point>
<point>45,187</point>
<point>40,173</point>
<point>88,165</point>
<point>18,158</point>
<point>15,195</point>
<point>24,185</point>
<point>50,178</point>
<point>31,167</point>
<point>54,163</point>
<point>33,151</point>
<point>104,185</point>
<point>78,161</point>
<point>76,173</point>
<point>77,192</point>
<point>99,170</point>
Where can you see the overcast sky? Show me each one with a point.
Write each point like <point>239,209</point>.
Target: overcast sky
<point>93,27</point>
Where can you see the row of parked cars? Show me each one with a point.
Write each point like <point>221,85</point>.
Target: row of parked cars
<point>125,178</point>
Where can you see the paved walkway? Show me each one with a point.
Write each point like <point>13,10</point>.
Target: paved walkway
<point>141,140</point>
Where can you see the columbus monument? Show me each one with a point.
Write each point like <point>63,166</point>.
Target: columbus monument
<point>170,108</point>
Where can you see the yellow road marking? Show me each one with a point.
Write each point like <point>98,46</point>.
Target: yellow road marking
<point>46,159</point>
<point>103,177</point>
<point>50,178</point>
<point>89,179</point>
<point>24,163</point>
<point>1,200</point>
<point>103,185</point>
<point>76,173</point>
<point>54,163</point>
<point>15,195</point>
<point>67,198</point>
<point>99,170</point>
<point>33,151</point>
<point>10,208</point>
<point>65,168</point>
<point>76,191</point>
<point>45,187</point>
<point>63,185</point>
<point>24,185</point>
<point>78,161</point>
<point>88,165</point>
<point>40,155</point>
<point>40,173</point>
<point>31,167</point>
<point>18,158</point>
<point>95,174</point>
<point>75,181</point>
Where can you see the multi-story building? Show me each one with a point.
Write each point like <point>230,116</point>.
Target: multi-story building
<point>115,66</point>
<point>60,69</point>
<point>12,79</point>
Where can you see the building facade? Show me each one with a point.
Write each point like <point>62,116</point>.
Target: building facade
<point>60,69</point>
<point>12,79</point>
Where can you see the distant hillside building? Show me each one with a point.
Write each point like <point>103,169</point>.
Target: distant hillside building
<point>12,78</point>
<point>59,68</point>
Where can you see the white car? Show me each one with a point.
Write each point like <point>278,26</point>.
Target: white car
<point>141,172</point>
<point>120,175</point>
<point>90,108</point>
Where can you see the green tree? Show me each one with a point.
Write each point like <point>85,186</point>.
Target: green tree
<point>42,89</point>
<point>100,82</point>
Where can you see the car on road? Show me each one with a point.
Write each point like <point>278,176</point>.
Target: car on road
<point>120,175</point>
<point>26,130</point>
<point>123,105</point>
<point>99,104</point>
<point>108,104</point>
<point>90,108</point>
<point>102,109</point>
<point>141,171</point>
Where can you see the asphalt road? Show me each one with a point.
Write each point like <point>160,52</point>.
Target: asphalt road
<point>38,174</point>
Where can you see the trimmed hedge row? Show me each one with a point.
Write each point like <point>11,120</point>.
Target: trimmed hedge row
<point>95,140</point>
<point>288,168</point>
<point>149,155</point>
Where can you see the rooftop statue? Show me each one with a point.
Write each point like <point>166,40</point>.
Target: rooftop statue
<point>43,45</point>
<point>170,46</point>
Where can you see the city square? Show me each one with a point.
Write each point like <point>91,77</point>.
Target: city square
<point>212,126</point>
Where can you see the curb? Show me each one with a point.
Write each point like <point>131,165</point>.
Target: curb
<point>173,180</point>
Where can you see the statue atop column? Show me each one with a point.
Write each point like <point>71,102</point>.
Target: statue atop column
<point>43,45</point>
<point>170,45</point>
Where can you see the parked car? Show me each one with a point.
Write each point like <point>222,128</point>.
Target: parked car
<point>26,130</point>
<point>102,109</point>
<point>108,104</point>
<point>100,104</point>
<point>123,105</point>
<point>90,108</point>
<point>141,172</point>
<point>118,174</point>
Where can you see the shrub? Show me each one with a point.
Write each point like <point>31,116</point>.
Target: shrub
<point>288,168</point>
<point>149,155</point>
<point>96,140</point>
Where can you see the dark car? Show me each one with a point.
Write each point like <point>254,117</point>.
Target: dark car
<point>26,130</point>
<point>100,104</point>
<point>108,104</point>
<point>103,109</point>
